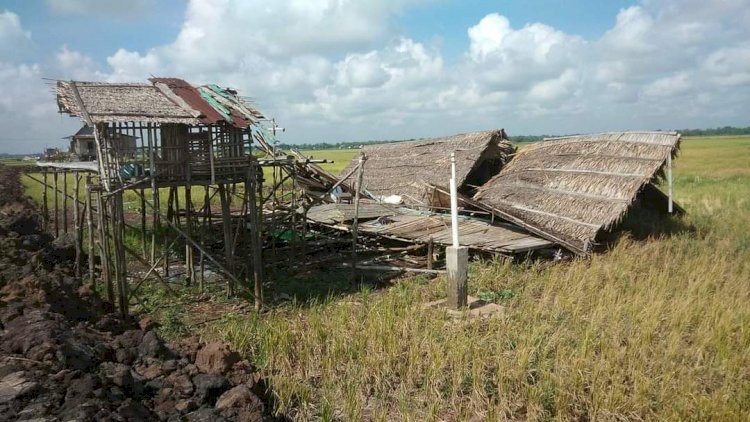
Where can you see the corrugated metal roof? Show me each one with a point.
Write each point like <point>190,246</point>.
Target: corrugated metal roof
<point>192,97</point>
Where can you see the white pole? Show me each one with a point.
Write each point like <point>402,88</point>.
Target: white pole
<point>669,181</point>
<point>454,201</point>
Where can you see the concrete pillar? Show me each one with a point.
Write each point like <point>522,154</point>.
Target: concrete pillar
<point>457,265</point>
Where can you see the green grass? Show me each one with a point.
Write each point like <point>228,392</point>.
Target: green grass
<point>340,158</point>
<point>653,329</point>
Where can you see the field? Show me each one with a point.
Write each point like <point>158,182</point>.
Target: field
<point>657,327</point>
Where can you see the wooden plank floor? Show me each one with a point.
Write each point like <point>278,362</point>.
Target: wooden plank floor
<point>410,226</point>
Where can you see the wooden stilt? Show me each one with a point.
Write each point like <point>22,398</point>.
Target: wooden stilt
<point>90,229</point>
<point>226,223</point>
<point>430,253</point>
<point>142,194</point>
<point>156,206</point>
<point>255,244</point>
<point>118,217</point>
<point>78,226</point>
<point>45,206</point>
<point>104,248</point>
<point>204,229</point>
<point>189,265</point>
<point>355,222</point>
<point>65,202</point>
<point>670,206</point>
<point>165,241</point>
<point>57,204</point>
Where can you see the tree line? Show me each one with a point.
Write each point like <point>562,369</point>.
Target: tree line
<point>519,139</point>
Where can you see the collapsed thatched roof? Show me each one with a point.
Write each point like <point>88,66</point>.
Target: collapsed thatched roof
<point>403,168</point>
<point>569,189</point>
<point>165,100</point>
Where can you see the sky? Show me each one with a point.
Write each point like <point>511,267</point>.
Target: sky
<point>346,70</point>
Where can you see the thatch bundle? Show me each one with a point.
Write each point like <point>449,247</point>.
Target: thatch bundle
<point>108,102</point>
<point>569,189</point>
<point>404,168</point>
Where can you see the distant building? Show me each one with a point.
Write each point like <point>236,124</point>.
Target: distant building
<point>83,144</point>
<point>50,153</point>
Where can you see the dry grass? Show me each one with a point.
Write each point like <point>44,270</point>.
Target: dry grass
<point>656,328</point>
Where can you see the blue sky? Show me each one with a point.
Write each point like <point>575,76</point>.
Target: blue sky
<point>338,70</point>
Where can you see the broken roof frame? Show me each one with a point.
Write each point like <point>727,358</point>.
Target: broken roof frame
<point>571,189</point>
<point>586,157</point>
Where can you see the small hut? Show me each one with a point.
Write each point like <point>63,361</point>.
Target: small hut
<point>569,190</point>
<point>406,169</point>
<point>83,144</point>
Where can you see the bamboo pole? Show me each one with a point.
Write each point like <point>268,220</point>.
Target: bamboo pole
<point>65,202</point>
<point>227,228</point>
<point>50,187</point>
<point>45,206</point>
<point>670,206</point>
<point>189,265</point>
<point>204,229</point>
<point>57,204</point>
<point>155,223</point>
<point>120,265</point>
<point>255,227</point>
<point>430,253</point>
<point>90,229</point>
<point>142,194</point>
<point>104,248</point>
<point>78,227</point>
<point>216,262</point>
<point>170,218</point>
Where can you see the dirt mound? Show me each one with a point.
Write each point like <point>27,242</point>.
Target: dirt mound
<point>64,356</point>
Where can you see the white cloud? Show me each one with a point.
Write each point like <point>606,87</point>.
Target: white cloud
<point>340,70</point>
<point>14,40</point>
<point>669,86</point>
<point>505,59</point>
<point>71,64</point>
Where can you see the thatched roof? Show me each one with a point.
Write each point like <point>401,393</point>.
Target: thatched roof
<point>165,100</point>
<point>403,168</point>
<point>569,189</point>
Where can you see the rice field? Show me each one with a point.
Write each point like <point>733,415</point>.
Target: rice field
<point>656,328</point>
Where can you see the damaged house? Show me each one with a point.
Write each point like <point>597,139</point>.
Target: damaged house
<point>563,192</point>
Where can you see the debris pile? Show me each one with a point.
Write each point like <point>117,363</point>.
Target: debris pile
<point>65,356</point>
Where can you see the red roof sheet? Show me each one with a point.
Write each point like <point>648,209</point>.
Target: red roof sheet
<point>193,98</point>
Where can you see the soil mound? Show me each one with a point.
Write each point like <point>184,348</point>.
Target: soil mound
<point>64,356</point>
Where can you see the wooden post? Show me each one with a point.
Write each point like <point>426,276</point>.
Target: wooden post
<point>670,207</point>
<point>90,229</point>
<point>57,203</point>
<point>430,253</point>
<point>189,265</point>
<point>226,222</point>
<point>142,194</point>
<point>355,222</point>
<point>65,202</point>
<point>255,227</point>
<point>78,227</point>
<point>204,229</point>
<point>120,264</point>
<point>155,223</point>
<point>456,256</point>
<point>170,219</point>
<point>45,207</point>
<point>104,248</point>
